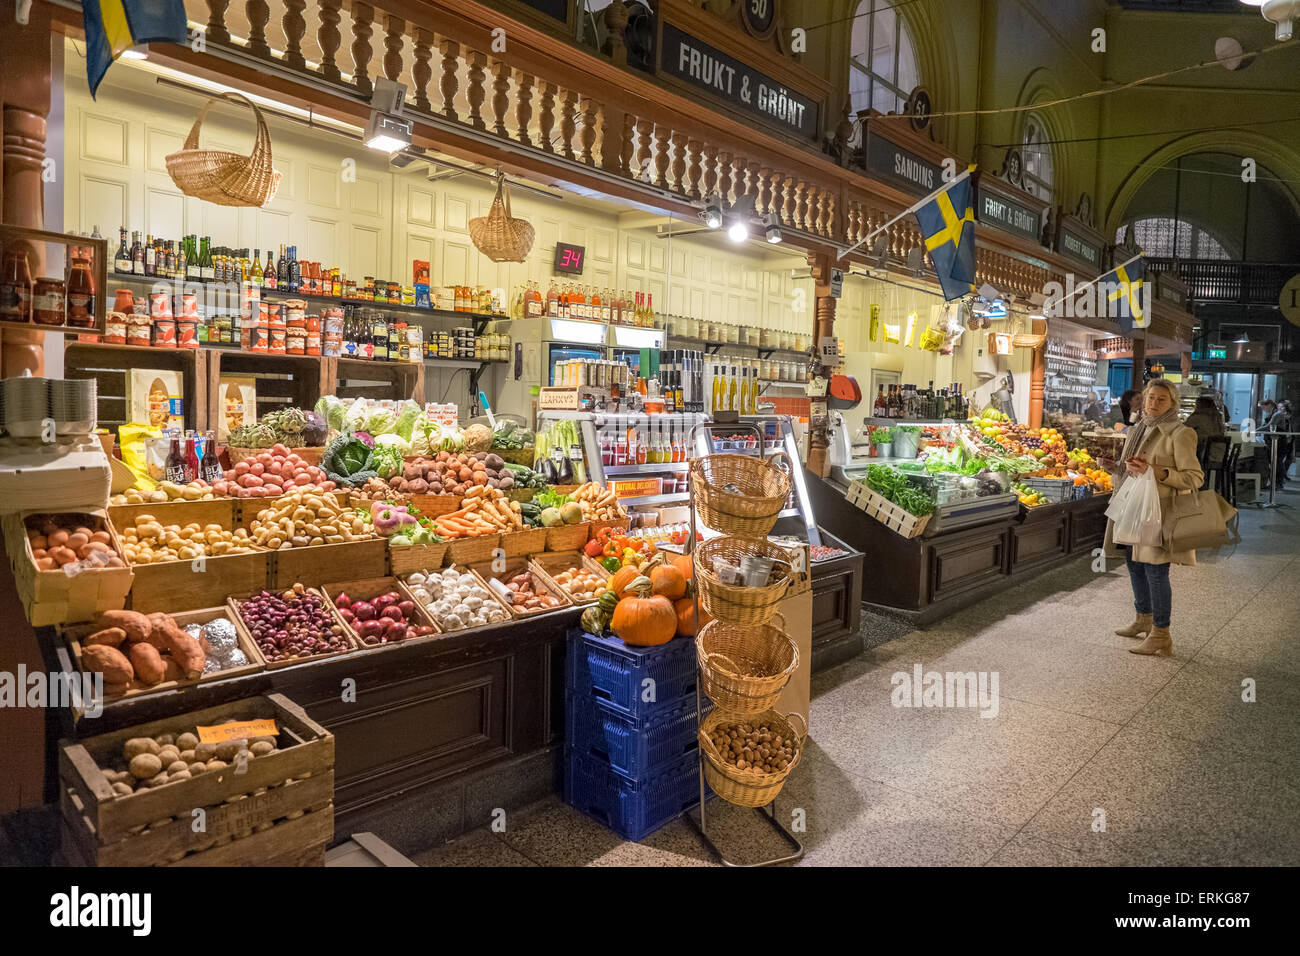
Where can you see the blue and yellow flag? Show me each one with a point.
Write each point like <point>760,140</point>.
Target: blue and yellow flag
<point>114,26</point>
<point>1126,299</point>
<point>948,224</point>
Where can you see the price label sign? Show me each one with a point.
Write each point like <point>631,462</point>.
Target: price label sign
<point>837,283</point>
<point>828,350</point>
<point>238,730</point>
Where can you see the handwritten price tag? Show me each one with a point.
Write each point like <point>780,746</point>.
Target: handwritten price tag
<point>239,730</point>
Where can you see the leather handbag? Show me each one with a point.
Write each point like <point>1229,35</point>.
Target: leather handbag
<point>1199,519</point>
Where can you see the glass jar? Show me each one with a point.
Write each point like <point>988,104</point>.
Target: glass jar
<point>15,287</point>
<point>81,295</point>
<point>48,301</point>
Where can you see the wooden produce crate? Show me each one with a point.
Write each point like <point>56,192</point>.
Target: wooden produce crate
<point>327,563</point>
<point>220,511</point>
<point>532,541</point>
<point>620,526</point>
<point>76,634</point>
<point>470,550</point>
<point>885,511</point>
<point>418,557</point>
<point>552,563</point>
<point>568,537</point>
<point>53,597</point>
<point>365,590</point>
<point>190,584</point>
<point>255,818</point>
<point>492,595</point>
<point>234,603</point>
<point>541,580</point>
<point>109,366</point>
<point>434,505</point>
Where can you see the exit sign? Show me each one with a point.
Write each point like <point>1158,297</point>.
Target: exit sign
<point>1218,353</point>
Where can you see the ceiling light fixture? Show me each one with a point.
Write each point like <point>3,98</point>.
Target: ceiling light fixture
<point>1281,13</point>
<point>738,231</point>
<point>712,214</point>
<point>134,55</point>
<point>388,130</point>
<point>1244,340</point>
<point>772,226</point>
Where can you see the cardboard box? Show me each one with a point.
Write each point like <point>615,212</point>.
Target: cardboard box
<point>155,397</point>
<point>237,404</point>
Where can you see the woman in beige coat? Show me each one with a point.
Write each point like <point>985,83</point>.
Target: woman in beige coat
<point>1161,442</point>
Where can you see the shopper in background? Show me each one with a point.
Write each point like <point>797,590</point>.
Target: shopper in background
<point>1095,411</point>
<point>1280,423</point>
<point>1161,443</point>
<point>1205,419</point>
<point>1123,414</point>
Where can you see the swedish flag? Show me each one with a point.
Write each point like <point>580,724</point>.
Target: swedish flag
<point>1125,286</point>
<point>114,26</point>
<point>948,224</point>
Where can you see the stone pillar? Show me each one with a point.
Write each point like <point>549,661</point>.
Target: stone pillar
<point>823,325</point>
<point>1037,375</point>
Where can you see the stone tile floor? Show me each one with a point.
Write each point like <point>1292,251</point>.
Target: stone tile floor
<point>1165,751</point>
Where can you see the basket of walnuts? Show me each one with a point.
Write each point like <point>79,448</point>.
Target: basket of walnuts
<point>747,757</point>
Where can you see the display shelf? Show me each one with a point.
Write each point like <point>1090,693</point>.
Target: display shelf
<point>613,471</point>
<point>479,320</point>
<point>712,348</point>
<point>110,365</point>
<point>674,498</point>
<point>15,235</point>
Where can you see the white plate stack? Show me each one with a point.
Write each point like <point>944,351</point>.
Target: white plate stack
<point>26,403</point>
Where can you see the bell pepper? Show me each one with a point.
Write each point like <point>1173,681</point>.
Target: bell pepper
<point>610,564</point>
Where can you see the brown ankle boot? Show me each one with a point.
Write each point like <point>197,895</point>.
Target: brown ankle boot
<point>1138,628</point>
<point>1158,642</point>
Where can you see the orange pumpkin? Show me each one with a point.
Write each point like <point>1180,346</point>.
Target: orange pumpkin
<point>644,619</point>
<point>682,562</point>
<point>622,578</point>
<point>667,580</point>
<point>685,609</point>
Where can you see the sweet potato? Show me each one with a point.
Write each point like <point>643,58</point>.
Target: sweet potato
<point>159,622</point>
<point>172,670</point>
<point>135,624</point>
<point>185,650</point>
<point>109,661</point>
<point>148,663</point>
<point>109,636</point>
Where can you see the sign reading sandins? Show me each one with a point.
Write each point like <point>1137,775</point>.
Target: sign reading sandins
<point>701,65</point>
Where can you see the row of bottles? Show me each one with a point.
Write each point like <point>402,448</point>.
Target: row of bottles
<point>911,403</point>
<point>584,302</point>
<point>734,387</point>
<point>647,442</point>
<point>192,456</point>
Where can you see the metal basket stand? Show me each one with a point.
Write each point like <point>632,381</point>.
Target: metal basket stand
<point>768,812</point>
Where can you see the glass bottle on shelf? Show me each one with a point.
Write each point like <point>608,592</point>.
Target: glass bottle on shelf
<point>122,260</point>
<point>174,467</point>
<point>137,255</point>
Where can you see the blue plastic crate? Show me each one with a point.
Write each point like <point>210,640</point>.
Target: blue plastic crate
<point>632,745</point>
<point>631,808</point>
<point>606,669</point>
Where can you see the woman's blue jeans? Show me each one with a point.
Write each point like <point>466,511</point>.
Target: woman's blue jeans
<point>1151,591</point>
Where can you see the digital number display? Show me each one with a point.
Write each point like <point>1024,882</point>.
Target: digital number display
<point>569,258</point>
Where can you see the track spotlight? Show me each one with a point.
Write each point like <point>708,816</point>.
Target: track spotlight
<point>712,214</point>
<point>772,227</point>
<point>738,231</point>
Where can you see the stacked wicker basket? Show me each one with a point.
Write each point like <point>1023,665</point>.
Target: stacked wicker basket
<point>745,655</point>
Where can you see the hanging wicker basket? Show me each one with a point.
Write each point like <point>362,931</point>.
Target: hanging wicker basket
<point>740,494</point>
<point>221,177</point>
<point>499,236</point>
<point>748,788</point>
<point>744,668</point>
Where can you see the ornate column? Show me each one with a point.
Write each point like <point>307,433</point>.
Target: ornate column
<point>823,325</point>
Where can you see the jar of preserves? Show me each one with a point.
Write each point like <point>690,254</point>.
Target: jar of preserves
<point>15,287</point>
<point>115,328</point>
<point>49,298</point>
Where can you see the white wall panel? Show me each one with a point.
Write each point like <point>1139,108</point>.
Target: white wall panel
<point>104,139</point>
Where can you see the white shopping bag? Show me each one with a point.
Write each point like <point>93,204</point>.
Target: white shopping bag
<point>1135,509</point>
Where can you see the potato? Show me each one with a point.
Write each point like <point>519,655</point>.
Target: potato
<point>109,661</point>
<point>179,775</point>
<point>185,650</point>
<point>261,748</point>
<point>177,765</point>
<point>227,749</point>
<point>197,768</point>
<point>187,756</point>
<point>157,781</point>
<point>145,766</point>
<point>169,754</point>
<point>205,752</point>
<point>215,765</point>
<point>187,741</point>
<point>140,745</point>
<point>122,789</point>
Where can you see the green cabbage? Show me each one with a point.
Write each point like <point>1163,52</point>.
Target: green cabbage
<point>409,414</point>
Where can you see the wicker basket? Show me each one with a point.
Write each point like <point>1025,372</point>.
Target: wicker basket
<point>499,236</point>
<point>567,537</point>
<point>221,177</point>
<point>467,550</point>
<point>763,490</point>
<point>532,541</point>
<point>745,668</point>
<point>620,525</point>
<point>733,603</point>
<point>748,788</point>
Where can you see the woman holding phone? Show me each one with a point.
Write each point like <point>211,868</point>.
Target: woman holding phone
<point>1162,444</point>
